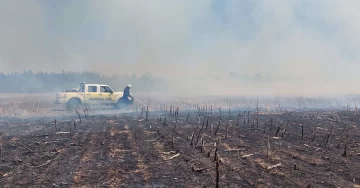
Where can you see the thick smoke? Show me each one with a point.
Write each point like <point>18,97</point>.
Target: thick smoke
<point>281,47</point>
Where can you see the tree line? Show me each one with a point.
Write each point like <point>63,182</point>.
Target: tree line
<point>30,82</point>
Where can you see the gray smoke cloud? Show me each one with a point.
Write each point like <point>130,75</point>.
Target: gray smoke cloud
<point>296,47</point>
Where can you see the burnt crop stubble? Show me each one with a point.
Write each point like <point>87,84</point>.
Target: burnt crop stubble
<point>179,144</point>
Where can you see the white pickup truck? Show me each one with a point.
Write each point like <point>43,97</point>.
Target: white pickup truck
<point>93,94</point>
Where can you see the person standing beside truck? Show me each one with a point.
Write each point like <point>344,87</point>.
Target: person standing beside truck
<point>127,98</point>
<point>127,93</point>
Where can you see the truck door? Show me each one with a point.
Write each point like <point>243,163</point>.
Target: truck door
<point>106,94</point>
<point>92,95</point>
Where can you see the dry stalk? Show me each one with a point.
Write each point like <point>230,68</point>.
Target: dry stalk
<point>345,146</point>
<point>158,130</point>
<point>202,144</point>
<point>268,150</point>
<point>69,128</point>
<point>203,123</point>
<point>198,136</point>
<point>85,113</point>
<point>217,171</point>
<point>227,128</point>
<point>142,113</point>
<point>216,149</point>
<point>172,135</point>
<point>1,144</point>
<point>207,124</point>
<point>327,140</point>
<point>277,130</point>
<point>244,117</point>
<point>26,147</point>
<point>229,114</point>
<point>55,124</point>
<point>78,113</point>
<point>237,121</point>
<point>257,113</point>
<point>302,130</point>
<point>328,136</point>
<point>164,123</point>
<point>265,126</point>
<point>192,139</point>
<point>217,128</point>
<point>220,113</point>
<point>284,132</point>
<point>314,133</point>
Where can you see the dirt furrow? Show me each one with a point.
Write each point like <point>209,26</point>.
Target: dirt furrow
<point>49,173</point>
<point>87,158</point>
<point>115,154</point>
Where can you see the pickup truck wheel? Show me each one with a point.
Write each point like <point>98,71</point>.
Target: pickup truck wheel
<point>72,104</point>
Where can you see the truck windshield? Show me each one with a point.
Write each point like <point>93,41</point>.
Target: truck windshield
<point>105,89</point>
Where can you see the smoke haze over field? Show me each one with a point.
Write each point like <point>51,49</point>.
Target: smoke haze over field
<point>225,46</point>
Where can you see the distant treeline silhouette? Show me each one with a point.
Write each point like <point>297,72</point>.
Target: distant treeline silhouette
<point>30,82</point>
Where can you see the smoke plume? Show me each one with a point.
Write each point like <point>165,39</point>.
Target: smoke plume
<point>280,47</point>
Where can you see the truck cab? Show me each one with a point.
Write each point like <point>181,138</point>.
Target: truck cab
<point>89,94</point>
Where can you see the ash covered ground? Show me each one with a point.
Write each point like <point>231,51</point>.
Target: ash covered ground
<point>182,142</point>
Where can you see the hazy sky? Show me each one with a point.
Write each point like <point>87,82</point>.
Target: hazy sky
<point>314,43</point>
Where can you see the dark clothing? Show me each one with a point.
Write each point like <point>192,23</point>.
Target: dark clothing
<point>126,92</point>
<point>126,99</point>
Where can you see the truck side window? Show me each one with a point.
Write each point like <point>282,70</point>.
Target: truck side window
<point>105,89</point>
<point>92,89</point>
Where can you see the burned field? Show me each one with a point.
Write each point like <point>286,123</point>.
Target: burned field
<point>190,147</point>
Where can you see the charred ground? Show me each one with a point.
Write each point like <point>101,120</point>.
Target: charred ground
<point>165,149</point>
